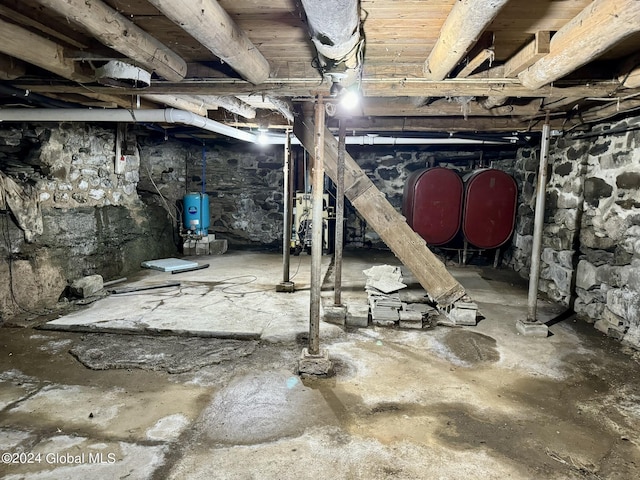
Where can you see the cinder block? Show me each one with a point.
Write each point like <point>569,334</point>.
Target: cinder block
<point>335,314</point>
<point>464,313</point>
<point>411,324</point>
<point>357,315</point>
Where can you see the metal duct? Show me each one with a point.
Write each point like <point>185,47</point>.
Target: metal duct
<point>169,115</point>
<point>335,31</point>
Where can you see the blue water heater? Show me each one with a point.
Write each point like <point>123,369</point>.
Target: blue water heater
<point>196,213</point>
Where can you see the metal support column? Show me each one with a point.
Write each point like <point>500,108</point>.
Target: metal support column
<point>317,186</point>
<point>337,270</point>
<point>531,326</point>
<point>287,170</point>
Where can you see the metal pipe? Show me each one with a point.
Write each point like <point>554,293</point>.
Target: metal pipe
<point>337,270</point>
<point>286,214</point>
<point>168,115</point>
<point>317,186</point>
<point>534,273</point>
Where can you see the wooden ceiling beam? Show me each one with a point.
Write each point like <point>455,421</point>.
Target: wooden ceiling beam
<point>597,28</point>
<point>402,107</point>
<point>630,72</point>
<point>25,45</point>
<point>119,33</point>
<point>11,68</point>
<point>531,53</point>
<point>231,104</point>
<point>462,28</point>
<point>371,88</point>
<point>211,25</point>
<point>474,64</point>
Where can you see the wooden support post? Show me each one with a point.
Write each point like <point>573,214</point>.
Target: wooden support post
<point>317,186</point>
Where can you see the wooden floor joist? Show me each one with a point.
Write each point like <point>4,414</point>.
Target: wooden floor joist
<point>371,203</point>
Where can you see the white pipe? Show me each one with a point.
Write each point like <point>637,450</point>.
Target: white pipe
<point>183,117</point>
<point>375,140</point>
<point>168,115</point>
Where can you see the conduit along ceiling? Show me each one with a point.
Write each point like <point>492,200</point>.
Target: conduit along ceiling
<point>422,67</point>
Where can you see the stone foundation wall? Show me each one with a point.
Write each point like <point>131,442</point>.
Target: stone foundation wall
<point>591,243</point>
<point>93,220</point>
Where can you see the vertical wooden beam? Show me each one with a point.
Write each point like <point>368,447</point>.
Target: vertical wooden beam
<point>317,187</point>
<point>337,268</point>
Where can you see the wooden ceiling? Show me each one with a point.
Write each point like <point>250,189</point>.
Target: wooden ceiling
<point>425,65</point>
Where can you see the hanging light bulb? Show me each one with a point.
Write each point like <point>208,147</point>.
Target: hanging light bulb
<point>349,99</point>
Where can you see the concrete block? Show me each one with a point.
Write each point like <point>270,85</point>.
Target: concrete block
<point>314,365</point>
<point>208,245</point>
<point>286,287</point>
<point>335,314</point>
<point>532,329</point>
<point>463,313</point>
<point>86,286</point>
<point>357,315</point>
<point>218,247</point>
<point>410,316</point>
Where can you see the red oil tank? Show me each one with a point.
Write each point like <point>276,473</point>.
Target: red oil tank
<point>432,204</point>
<point>489,208</point>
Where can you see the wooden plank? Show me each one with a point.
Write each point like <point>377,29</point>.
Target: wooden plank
<point>406,244</point>
<point>384,87</point>
<point>41,52</point>
<point>464,25</point>
<point>227,41</point>
<point>474,64</point>
<point>534,51</point>
<point>119,33</point>
<point>402,107</point>
<point>593,31</point>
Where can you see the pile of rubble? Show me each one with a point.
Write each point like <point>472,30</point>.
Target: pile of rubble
<point>386,308</point>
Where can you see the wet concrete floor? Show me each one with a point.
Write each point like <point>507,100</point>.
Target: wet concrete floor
<point>446,403</point>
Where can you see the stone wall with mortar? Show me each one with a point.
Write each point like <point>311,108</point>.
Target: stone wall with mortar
<point>243,181</point>
<point>94,220</point>
<point>591,238</point>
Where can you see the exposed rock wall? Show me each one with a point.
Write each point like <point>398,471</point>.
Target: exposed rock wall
<point>93,219</point>
<point>591,243</point>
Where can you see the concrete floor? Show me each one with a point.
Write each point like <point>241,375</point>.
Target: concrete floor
<point>445,403</point>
